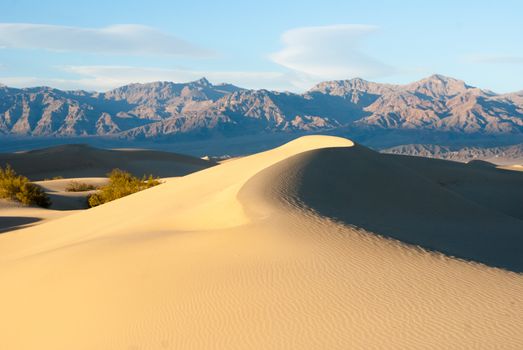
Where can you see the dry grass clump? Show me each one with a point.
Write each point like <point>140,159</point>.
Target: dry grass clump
<point>75,186</point>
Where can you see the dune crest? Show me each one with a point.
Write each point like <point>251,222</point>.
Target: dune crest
<point>246,255</point>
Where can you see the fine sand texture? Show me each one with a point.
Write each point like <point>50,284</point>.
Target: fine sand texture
<point>14,215</point>
<point>316,244</point>
<point>77,160</point>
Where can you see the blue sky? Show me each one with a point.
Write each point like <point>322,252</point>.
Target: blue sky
<point>282,45</point>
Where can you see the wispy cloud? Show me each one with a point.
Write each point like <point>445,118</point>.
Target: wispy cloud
<point>310,54</point>
<point>494,59</point>
<point>128,39</point>
<point>102,78</point>
<point>330,52</point>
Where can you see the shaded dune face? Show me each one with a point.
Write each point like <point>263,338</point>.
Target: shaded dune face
<point>459,210</point>
<point>77,160</point>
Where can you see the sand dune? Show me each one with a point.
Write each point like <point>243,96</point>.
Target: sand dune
<point>76,160</point>
<point>14,215</point>
<point>82,163</point>
<point>515,167</point>
<point>275,251</point>
<point>61,199</point>
<point>468,211</point>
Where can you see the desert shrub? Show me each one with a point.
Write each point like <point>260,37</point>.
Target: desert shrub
<point>33,194</point>
<point>75,186</point>
<point>121,184</point>
<point>19,188</point>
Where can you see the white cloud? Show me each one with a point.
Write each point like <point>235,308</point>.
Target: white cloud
<point>310,54</point>
<point>128,39</point>
<point>21,82</point>
<point>330,52</point>
<point>103,78</point>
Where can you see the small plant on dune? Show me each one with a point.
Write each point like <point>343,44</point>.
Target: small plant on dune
<point>75,186</point>
<point>19,188</point>
<point>121,184</point>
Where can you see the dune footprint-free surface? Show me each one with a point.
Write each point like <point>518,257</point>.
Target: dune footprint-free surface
<point>317,244</point>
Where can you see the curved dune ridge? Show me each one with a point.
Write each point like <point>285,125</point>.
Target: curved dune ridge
<point>275,251</point>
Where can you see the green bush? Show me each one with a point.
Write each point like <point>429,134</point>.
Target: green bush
<point>75,186</point>
<point>121,184</point>
<point>19,188</point>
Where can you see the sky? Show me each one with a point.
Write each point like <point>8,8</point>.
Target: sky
<point>278,45</point>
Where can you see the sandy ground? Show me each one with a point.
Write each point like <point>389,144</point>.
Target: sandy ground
<point>14,215</point>
<point>64,200</point>
<point>77,162</point>
<point>515,167</point>
<point>263,253</point>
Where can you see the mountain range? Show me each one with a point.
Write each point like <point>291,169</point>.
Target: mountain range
<point>499,155</point>
<point>200,109</point>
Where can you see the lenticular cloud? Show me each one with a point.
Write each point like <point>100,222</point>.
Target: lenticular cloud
<point>129,39</point>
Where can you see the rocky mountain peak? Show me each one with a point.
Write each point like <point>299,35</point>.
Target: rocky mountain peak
<point>350,86</point>
<point>438,85</point>
<point>203,82</point>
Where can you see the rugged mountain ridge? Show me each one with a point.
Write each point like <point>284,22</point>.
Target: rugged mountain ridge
<point>158,109</point>
<point>512,154</point>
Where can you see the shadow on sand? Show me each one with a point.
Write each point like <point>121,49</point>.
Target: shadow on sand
<point>473,213</point>
<point>11,223</point>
